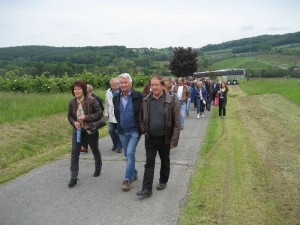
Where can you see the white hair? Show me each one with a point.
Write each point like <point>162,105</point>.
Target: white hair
<point>90,88</point>
<point>126,76</point>
<point>112,80</point>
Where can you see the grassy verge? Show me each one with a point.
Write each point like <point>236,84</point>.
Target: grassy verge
<point>236,180</point>
<point>28,144</point>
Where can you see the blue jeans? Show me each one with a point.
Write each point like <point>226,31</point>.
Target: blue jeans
<point>129,142</point>
<point>182,113</point>
<point>113,132</point>
<point>187,110</point>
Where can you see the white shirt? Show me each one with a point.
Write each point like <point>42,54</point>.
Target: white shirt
<point>179,92</point>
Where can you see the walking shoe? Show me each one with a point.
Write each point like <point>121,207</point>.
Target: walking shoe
<point>198,116</point>
<point>72,183</point>
<point>119,150</point>
<point>144,193</point>
<point>97,172</point>
<point>224,117</point>
<point>84,149</point>
<point>161,186</point>
<point>135,178</point>
<point>113,148</point>
<point>202,115</point>
<point>126,185</point>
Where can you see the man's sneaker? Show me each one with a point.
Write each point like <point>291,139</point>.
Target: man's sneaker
<point>161,186</point>
<point>84,149</point>
<point>119,150</point>
<point>202,115</point>
<point>126,185</point>
<point>198,116</point>
<point>135,178</point>
<point>113,148</point>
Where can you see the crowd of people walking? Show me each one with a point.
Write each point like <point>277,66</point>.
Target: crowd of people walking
<point>158,112</point>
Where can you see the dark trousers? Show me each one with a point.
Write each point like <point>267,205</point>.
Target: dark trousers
<point>214,93</point>
<point>222,107</point>
<point>154,145</point>
<point>208,102</point>
<point>84,140</point>
<point>92,140</point>
<point>200,107</point>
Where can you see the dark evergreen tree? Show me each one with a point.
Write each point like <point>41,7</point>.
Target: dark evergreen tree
<point>184,62</point>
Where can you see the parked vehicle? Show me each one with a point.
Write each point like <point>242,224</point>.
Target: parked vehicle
<point>230,76</point>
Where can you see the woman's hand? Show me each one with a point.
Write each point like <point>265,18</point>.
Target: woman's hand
<point>81,118</point>
<point>77,124</point>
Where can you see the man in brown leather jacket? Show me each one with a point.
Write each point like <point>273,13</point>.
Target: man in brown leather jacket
<point>159,120</point>
<point>183,93</point>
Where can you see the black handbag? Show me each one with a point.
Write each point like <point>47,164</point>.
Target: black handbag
<point>97,124</point>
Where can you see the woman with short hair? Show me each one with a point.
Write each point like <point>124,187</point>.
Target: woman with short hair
<point>83,109</point>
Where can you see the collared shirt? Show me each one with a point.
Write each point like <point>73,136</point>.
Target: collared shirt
<point>124,99</point>
<point>157,116</point>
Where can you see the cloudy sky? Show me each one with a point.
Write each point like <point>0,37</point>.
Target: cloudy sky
<point>140,23</point>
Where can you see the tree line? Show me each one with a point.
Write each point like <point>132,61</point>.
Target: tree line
<point>35,60</point>
<point>263,43</point>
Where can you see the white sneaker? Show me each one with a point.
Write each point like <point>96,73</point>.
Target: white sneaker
<point>202,115</point>
<point>198,116</point>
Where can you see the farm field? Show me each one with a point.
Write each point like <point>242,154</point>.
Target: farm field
<point>258,62</point>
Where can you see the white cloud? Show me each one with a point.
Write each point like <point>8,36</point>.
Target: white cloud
<point>141,23</point>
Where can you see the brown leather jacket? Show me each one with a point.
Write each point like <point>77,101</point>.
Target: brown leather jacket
<point>185,92</point>
<point>172,125</point>
<point>91,108</point>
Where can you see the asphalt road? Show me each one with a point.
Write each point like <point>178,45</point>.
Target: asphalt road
<point>42,197</point>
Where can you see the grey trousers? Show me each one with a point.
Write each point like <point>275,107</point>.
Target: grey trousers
<point>92,140</point>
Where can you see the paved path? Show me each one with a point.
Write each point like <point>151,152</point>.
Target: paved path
<point>42,196</point>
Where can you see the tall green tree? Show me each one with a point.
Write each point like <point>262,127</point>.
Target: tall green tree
<point>184,62</point>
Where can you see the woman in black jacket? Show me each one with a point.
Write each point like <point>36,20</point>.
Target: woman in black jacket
<point>223,99</point>
<point>83,109</point>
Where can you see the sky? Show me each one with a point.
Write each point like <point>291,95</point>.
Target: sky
<point>139,23</point>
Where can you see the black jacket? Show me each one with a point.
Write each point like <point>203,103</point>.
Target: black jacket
<point>137,99</point>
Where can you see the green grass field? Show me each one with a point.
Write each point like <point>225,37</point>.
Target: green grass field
<point>289,88</point>
<point>259,61</point>
<point>248,170</point>
<point>35,130</point>
<point>20,107</point>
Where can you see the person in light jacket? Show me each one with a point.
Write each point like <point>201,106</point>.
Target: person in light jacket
<point>110,115</point>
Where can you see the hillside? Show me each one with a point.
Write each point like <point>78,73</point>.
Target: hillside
<point>281,51</point>
<point>255,44</point>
